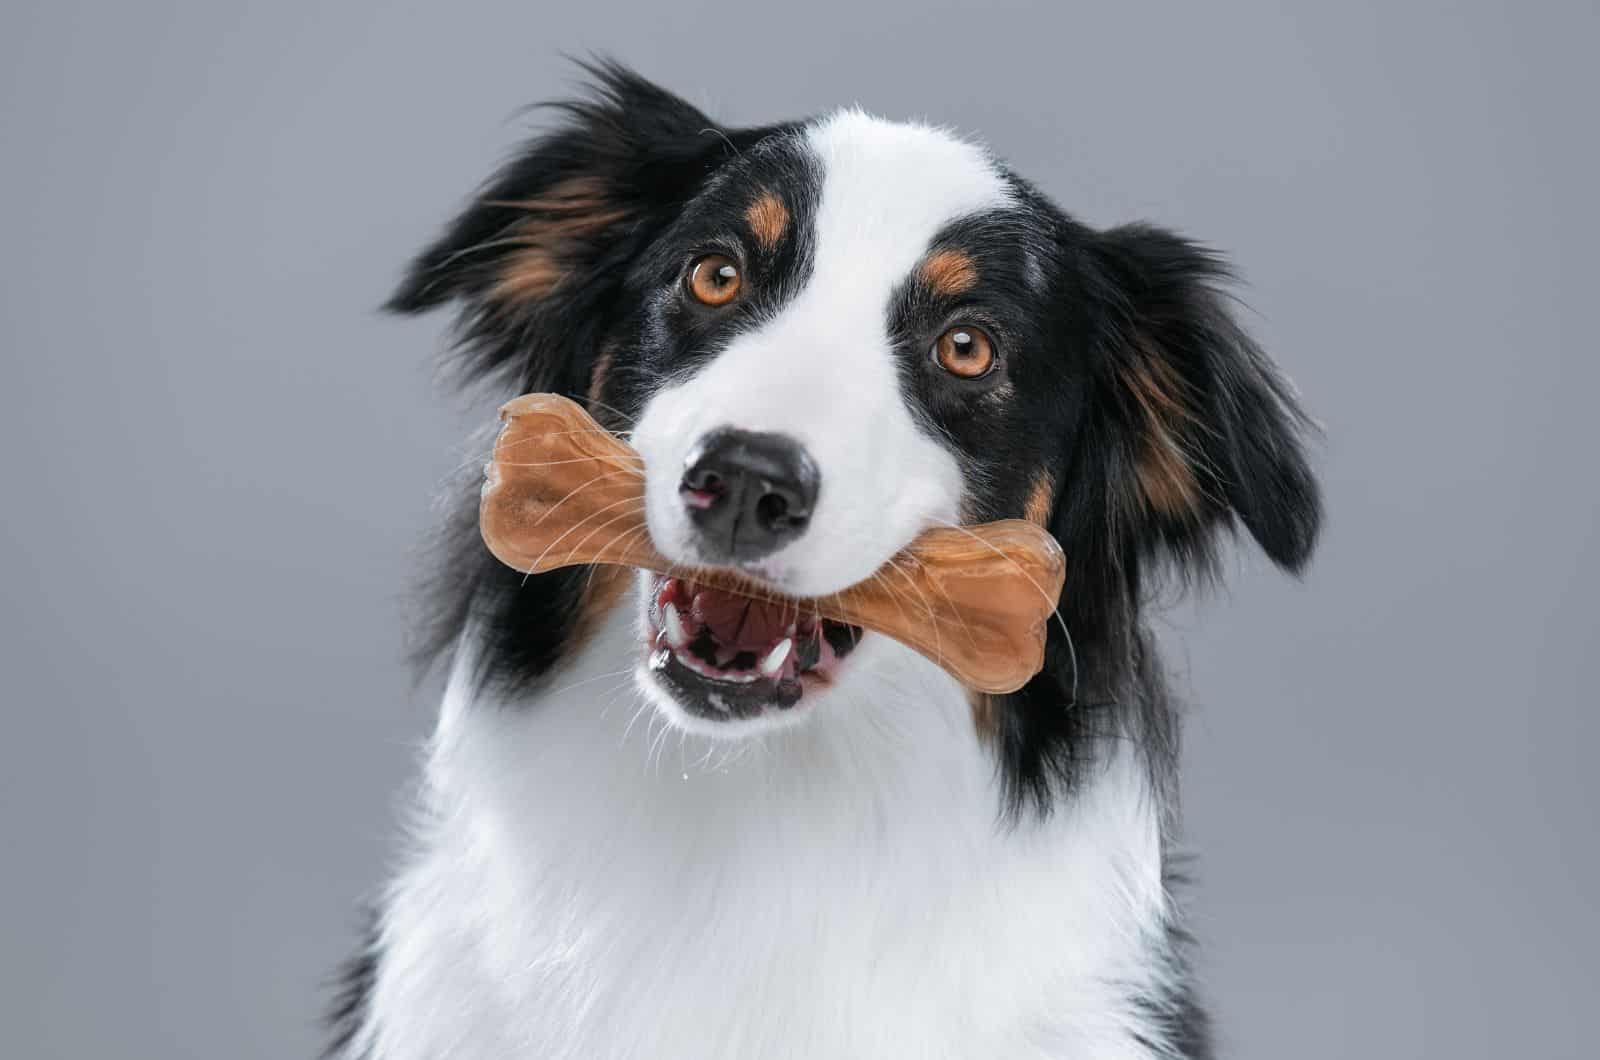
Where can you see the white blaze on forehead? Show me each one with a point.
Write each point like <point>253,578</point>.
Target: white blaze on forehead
<point>888,188</point>
<point>824,370</point>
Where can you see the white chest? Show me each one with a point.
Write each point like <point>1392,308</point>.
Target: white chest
<point>587,884</point>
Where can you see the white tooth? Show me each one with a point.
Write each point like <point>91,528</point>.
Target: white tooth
<point>777,657</point>
<point>673,624</point>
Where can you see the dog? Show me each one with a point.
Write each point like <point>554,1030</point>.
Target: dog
<point>658,820</point>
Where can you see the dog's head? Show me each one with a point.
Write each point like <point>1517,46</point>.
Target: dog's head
<point>826,336</point>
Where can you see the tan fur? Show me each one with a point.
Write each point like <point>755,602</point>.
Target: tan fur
<point>1166,474</point>
<point>768,218</point>
<point>582,195</point>
<point>949,272</point>
<point>598,376</point>
<point>528,275</point>
<point>1040,499</point>
<point>570,211</point>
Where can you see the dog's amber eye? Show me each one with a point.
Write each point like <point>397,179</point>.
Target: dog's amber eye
<point>714,280</point>
<point>964,351</point>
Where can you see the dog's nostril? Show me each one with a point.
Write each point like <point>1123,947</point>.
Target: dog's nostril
<point>748,494</point>
<point>773,510</point>
<point>706,482</point>
<point>702,479</point>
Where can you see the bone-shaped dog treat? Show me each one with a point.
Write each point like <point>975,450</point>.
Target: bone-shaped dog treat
<point>563,491</point>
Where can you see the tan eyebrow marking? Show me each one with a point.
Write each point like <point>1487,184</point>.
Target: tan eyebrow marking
<point>949,272</point>
<point>768,218</point>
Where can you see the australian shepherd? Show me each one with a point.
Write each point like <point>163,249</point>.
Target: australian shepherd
<point>660,820</point>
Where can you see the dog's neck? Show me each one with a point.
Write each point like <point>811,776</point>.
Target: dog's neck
<point>587,879</point>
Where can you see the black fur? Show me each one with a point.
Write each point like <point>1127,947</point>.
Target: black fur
<point>352,995</point>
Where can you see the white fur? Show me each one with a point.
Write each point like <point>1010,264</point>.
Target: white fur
<point>589,884</point>
<point>592,883</point>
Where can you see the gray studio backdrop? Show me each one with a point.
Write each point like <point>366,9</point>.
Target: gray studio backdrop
<point>219,459</point>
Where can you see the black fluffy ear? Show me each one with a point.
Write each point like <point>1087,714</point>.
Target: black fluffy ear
<point>540,252</point>
<point>1202,426</point>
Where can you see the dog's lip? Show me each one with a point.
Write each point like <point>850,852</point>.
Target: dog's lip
<point>725,656</point>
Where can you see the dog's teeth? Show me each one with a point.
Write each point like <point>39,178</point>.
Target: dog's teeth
<point>672,625</point>
<point>777,657</point>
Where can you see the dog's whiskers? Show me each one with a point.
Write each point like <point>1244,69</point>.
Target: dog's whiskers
<point>959,612</point>
<point>579,489</point>
<point>620,462</point>
<point>631,418</point>
<point>933,619</point>
<point>532,567</point>
<point>629,513</point>
<point>590,680</point>
<point>644,705</point>
<point>895,595</point>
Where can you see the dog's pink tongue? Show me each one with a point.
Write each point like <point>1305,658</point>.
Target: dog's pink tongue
<point>739,622</point>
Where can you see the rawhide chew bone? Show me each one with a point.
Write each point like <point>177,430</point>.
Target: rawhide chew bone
<point>563,491</point>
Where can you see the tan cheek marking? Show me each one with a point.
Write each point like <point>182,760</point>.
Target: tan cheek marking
<point>1041,499</point>
<point>768,218</point>
<point>949,272</point>
<point>599,375</point>
<point>570,211</point>
<point>1165,471</point>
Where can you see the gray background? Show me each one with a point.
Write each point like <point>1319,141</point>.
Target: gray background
<point>219,459</point>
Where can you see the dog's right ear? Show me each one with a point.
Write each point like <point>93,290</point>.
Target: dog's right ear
<point>540,252</point>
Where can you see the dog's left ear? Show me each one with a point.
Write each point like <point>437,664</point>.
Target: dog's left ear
<point>1203,427</point>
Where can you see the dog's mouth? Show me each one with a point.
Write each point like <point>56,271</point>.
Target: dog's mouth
<point>724,656</point>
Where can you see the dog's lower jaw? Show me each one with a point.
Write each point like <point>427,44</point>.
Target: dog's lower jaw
<point>789,669</point>
<point>589,883</point>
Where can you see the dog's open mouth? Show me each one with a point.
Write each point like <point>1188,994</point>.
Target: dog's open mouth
<point>725,656</point>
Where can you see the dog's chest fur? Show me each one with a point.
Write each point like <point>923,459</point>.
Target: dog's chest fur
<point>587,885</point>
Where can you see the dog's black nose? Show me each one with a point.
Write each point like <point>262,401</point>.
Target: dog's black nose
<point>748,494</point>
